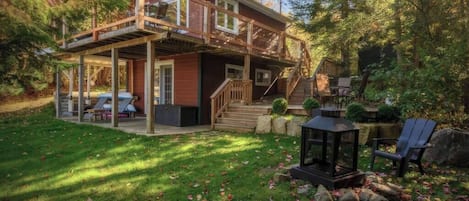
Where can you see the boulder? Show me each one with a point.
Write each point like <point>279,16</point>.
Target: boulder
<point>369,195</point>
<point>294,126</point>
<point>348,195</point>
<point>449,147</point>
<point>279,125</point>
<point>280,177</point>
<point>304,189</point>
<point>264,124</point>
<point>323,194</point>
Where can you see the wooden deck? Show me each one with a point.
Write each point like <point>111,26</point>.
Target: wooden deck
<point>130,33</point>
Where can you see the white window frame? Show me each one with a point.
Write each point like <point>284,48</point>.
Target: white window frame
<point>235,67</point>
<point>266,82</point>
<point>225,26</point>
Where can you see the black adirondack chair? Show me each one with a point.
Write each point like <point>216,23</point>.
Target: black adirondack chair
<point>409,147</point>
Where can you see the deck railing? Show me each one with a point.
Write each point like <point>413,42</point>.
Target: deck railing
<point>228,92</point>
<point>249,36</point>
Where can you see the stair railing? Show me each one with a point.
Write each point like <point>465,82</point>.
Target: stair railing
<point>292,80</point>
<point>228,92</point>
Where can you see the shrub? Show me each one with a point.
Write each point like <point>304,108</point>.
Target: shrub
<point>387,113</point>
<point>310,103</point>
<point>355,112</point>
<point>279,106</point>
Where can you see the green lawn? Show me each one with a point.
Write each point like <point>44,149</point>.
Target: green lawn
<point>47,159</point>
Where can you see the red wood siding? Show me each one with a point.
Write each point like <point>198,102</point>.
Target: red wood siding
<point>186,72</point>
<point>261,18</point>
<point>258,16</point>
<point>139,85</point>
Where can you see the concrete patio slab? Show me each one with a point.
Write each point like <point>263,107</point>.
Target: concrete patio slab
<point>137,125</point>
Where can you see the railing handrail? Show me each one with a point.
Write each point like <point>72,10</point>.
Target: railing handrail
<point>228,92</point>
<point>278,49</point>
<point>221,87</point>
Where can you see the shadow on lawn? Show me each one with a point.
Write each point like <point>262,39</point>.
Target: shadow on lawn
<point>76,162</point>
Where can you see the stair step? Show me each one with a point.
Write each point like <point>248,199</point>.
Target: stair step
<point>248,109</point>
<point>241,115</point>
<point>229,127</point>
<point>237,121</point>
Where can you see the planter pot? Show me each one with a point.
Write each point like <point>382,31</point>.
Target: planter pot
<point>389,130</point>
<point>368,131</point>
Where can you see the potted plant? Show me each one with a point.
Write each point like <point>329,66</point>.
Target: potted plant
<point>279,106</point>
<point>311,106</point>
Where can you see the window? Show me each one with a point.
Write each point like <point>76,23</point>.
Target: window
<point>234,72</point>
<point>263,77</point>
<point>226,22</point>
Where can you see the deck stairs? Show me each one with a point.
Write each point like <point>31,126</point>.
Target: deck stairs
<point>301,91</point>
<point>241,118</point>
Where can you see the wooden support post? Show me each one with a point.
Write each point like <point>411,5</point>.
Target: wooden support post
<point>207,24</point>
<point>249,36</point>
<point>80,88</point>
<point>247,67</point>
<point>246,72</point>
<point>70,90</point>
<point>149,88</point>
<point>140,13</point>
<point>115,87</point>
<point>58,84</point>
<point>88,85</point>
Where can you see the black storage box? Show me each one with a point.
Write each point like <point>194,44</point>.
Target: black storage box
<point>176,115</point>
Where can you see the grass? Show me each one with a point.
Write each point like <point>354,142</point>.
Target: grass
<point>48,159</point>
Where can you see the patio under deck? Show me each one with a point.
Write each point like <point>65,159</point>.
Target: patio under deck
<point>137,125</point>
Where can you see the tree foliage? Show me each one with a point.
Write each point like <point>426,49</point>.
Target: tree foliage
<point>27,30</point>
<point>429,38</point>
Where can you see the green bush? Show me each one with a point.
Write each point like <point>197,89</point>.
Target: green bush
<point>387,113</point>
<point>279,106</point>
<point>310,103</point>
<point>355,112</point>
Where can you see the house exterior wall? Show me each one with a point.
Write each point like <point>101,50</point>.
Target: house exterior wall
<point>186,83</point>
<point>258,16</point>
<point>213,75</point>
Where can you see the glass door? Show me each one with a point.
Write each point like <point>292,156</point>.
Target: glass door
<point>166,84</point>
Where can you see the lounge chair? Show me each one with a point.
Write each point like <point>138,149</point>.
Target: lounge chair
<point>409,147</point>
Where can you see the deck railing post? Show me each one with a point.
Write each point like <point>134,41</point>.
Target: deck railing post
<point>140,13</point>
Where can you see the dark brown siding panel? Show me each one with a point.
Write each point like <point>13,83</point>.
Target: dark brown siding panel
<point>213,74</point>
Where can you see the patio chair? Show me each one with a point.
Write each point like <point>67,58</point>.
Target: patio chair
<point>97,110</point>
<point>409,147</point>
<point>324,90</point>
<point>343,91</point>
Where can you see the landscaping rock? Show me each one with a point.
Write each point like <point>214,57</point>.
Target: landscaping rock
<point>386,191</point>
<point>304,189</point>
<point>449,148</point>
<point>279,125</point>
<point>280,177</point>
<point>294,126</point>
<point>323,194</point>
<point>348,195</point>
<point>369,195</point>
<point>264,124</point>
